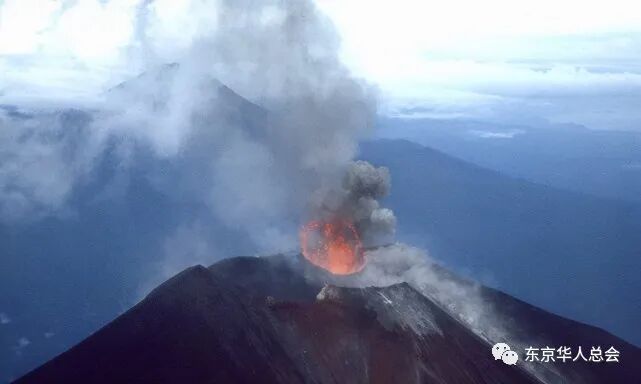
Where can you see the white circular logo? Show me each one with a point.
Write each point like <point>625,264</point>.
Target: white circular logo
<point>501,351</point>
<point>510,357</point>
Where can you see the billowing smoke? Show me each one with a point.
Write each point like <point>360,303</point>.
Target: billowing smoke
<point>257,118</point>
<point>365,185</point>
<point>263,161</point>
<point>251,118</point>
<point>357,200</point>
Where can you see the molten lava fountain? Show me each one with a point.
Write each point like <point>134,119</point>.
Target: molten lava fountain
<point>334,246</point>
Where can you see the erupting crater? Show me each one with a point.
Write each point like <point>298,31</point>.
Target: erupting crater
<point>333,245</point>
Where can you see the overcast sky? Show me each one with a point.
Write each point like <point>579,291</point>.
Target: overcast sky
<point>563,61</point>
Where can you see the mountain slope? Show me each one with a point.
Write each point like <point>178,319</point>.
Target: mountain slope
<point>199,328</point>
<point>270,320</point>
<point>121,212</point>
<point>572,254</point>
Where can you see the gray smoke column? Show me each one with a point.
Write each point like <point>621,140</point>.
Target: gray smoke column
<point>356,200</point>
<point>258,120</point>
<point>266,169</point>
<point>363,185</point>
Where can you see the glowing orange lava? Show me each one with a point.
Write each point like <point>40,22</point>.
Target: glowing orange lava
<point>334,246</point>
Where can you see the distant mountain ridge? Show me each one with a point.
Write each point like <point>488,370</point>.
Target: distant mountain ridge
<point>569,156</point>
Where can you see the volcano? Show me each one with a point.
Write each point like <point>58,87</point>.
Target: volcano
<point>280,319</point>
<point>334,246</point>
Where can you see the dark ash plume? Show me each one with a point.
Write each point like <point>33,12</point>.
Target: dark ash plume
<point>365,185</point>
<point>357,201</point>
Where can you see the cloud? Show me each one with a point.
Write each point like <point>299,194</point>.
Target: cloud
<point>499,61</point>
<point>283,56</point>
<point>90,31</point>
<point>600,98</point>
<point>188,129</point>
<point>632,166</point>
<point>253,165</point>
<point>64,50</point>
<point>496,135</point>
<point>22,343</point>
<point>20,34</point>
<point>41,159</point>
<point>489,61</point>
<point>186,246</point>
<point>494,31</point>
<point>4,318</point>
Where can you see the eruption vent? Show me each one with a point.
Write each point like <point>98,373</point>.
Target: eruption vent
<point>348,218</point>
<point>334,246</point>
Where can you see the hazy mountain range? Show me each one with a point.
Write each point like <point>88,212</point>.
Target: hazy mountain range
<point>66,275</point>
<point>569,156</point>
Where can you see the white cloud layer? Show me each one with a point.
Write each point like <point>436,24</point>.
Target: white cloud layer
<point>456,58</point>
<point>485,59</point>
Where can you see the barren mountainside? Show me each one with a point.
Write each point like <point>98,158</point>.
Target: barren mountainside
<point>274,320</point>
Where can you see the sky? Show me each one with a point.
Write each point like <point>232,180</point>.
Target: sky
<point>561,61</point>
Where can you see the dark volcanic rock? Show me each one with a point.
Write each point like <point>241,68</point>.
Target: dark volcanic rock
<point>249,320</point>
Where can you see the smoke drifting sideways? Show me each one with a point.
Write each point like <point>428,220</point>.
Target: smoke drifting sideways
<point>462,299</point>
<point>255,165</point>
<point>397,263</point>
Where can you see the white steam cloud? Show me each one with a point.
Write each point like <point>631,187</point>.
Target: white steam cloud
<point>4,318</point>
<point>398,263</point>
<point>461,299</point>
